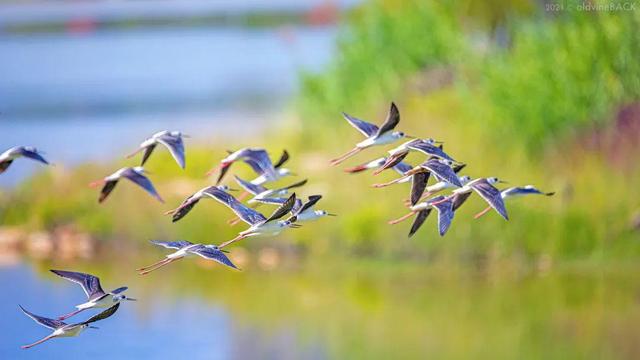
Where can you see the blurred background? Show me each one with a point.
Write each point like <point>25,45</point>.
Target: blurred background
<point>534,92</point>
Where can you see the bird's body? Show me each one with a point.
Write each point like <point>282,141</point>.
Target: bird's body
<point>271,177</point>
<point>186,249</point>
<point>483,187</point>
<point>187,205</point>
<point>422,210</point>
<point>172,140</point>
<point>258,159</point>
<point>260,192</point>
<point>304,212</point>
<point>440,168</point>
<point>134,174</point>
<point>259,225</point>
<point>61,329</point>
<point>7,157</point>
<point>375,136</point>
<point>425,146</point>
<point>400,168</point>
<point>443,185</point>
<point>96,297</point>
<point>514,192</point>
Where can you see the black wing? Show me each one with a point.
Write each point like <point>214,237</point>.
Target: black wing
<point>283,209</point>
<point>459,199</point>
<point>184,208</point>
<point>445,215</point>
<point>101,316</point>
<point>393,161</point>
<point>46,322</point>
<point>313,199</point>
<point>90,284</point>
<point>491,195</point>
<point>107,189</point>
<point>259,161</point>
<point>32,154</point>
<point>172,244</point>
<point>4,165</point>
<point>175,146</point>
<point>418,184</point>
<point>147,153</point>
<point>247,215</point>
<point>392,120</point>
<point>443,171</point>
<point>420,218</point>
<point>429,149</point>
<point>294,185</point>
<point>215,254</point>
<point>402,168</point>
<point>458,168</point>
<point>249,187</point>
<point>283,159</point>
<point>143,182</point>
<point>366,128</point>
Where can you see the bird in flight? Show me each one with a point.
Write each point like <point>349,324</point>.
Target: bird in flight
<point>185,248</point>
<point>134,174</point>
<point>513,192</point>
<point>61,329</point>
<point>7,157</point>
<point>96,297</point>
<point>172,140</point>
<point>376,136</point>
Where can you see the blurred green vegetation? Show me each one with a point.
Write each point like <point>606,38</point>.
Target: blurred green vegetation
<point>530,96</point>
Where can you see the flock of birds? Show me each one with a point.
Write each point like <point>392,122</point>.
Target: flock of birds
<point>290,212</point>
<point>443,168</point>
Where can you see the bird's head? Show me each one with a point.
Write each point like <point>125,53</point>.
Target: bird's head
<point>495,180</point>
<point>464,179</point>
<point>325,213</point>
<point>446,162</point>
<point>122,297</point>
<point>139,170</point>
<point>285,171</point>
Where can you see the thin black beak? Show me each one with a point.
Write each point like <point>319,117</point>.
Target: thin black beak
<point>503,182</point>
<point>130,299</point>
<point>93,327</point>
<point>232,189</point>
<point>330,214</point>
<point>439,142</point>
<point>409,136</point>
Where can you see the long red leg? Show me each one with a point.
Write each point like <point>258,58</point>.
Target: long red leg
<point>344,157</point>
<point>134,153</point>
<point>401,219</point>
<point>479,215</point>
<point>233,221</point>
<point>159,266</point>
<point>239,237</point>
<point>423,197</point>
<point>242,196</point>
<point>95,184</point>
<point>70,314</point>
<point>152,265</point>
<point>389,182</point>
<point>37,342</point>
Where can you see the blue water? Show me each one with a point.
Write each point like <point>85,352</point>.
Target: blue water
<point>94,96</point>
<point>167,325</point>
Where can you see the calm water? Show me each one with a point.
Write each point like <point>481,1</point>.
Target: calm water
<point>109,90</point>
<point>355,311</point>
